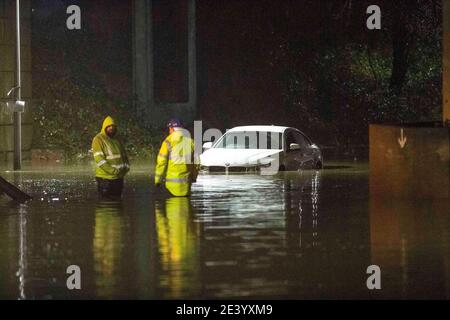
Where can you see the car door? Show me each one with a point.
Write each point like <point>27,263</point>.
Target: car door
<point>292,157</point>
<point>306,151</point>
<point>301,158</point>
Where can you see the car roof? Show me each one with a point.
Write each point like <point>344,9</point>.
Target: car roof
<point>259,128</point>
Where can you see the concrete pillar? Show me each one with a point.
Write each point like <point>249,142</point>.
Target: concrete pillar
<point>142,56</point>
<point>192,47</point>
<point>7,76</point>
<point>446,60</point>
<point>154,114</point>
<point>409,161</point>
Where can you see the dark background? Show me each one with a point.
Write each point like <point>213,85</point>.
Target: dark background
<point>311,64</point>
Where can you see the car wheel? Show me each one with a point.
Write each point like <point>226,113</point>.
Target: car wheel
<point>319,166</point>
<point>282,168</point>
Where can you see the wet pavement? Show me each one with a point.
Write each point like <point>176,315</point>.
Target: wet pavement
<point>296,235</point>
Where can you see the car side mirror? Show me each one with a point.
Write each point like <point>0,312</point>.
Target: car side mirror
<point>207,145</point>
<point>294,146</point>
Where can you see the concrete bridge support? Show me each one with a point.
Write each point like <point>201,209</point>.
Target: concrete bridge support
<point>154,112</point>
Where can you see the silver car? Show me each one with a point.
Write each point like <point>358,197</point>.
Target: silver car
<point>250,148</point>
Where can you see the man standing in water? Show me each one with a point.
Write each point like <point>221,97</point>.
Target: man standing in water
<point>111,161</point>
<point>177,165</point>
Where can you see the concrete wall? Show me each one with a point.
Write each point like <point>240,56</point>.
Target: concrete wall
<point>8,76</point>
<point>419,170</point>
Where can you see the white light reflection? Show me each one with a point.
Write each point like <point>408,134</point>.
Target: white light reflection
<point>23,251</point>
<point>315,184</point>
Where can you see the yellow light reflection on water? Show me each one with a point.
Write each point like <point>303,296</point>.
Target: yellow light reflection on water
<point>178,245</point>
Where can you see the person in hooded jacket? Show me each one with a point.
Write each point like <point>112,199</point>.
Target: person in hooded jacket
<point>111,160</point>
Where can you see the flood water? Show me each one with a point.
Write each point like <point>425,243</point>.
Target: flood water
<point>297,235</point>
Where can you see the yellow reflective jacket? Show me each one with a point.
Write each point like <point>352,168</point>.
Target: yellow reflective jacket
<point>111,161</point>
<point>177,165</point>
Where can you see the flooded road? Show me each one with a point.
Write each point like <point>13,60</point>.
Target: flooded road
<point>297,235</point>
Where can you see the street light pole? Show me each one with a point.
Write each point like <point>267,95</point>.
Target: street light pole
<point>18,115</point>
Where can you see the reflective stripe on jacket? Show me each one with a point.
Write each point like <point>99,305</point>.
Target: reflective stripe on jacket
<point>177,164</point>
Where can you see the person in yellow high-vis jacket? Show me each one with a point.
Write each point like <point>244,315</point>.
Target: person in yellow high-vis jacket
<point>177,165</point>
<point>111,161</point>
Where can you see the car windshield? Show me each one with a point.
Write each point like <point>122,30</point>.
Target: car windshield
<point>250,140</point>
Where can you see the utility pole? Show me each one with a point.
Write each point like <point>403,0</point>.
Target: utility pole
<point>18,115</point>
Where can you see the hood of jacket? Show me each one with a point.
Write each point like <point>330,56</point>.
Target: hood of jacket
<point>109,121</point>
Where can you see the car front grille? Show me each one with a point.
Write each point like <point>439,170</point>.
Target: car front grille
<point>232,169</point>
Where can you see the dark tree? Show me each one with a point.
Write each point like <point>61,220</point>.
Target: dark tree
<point>402,38</point>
